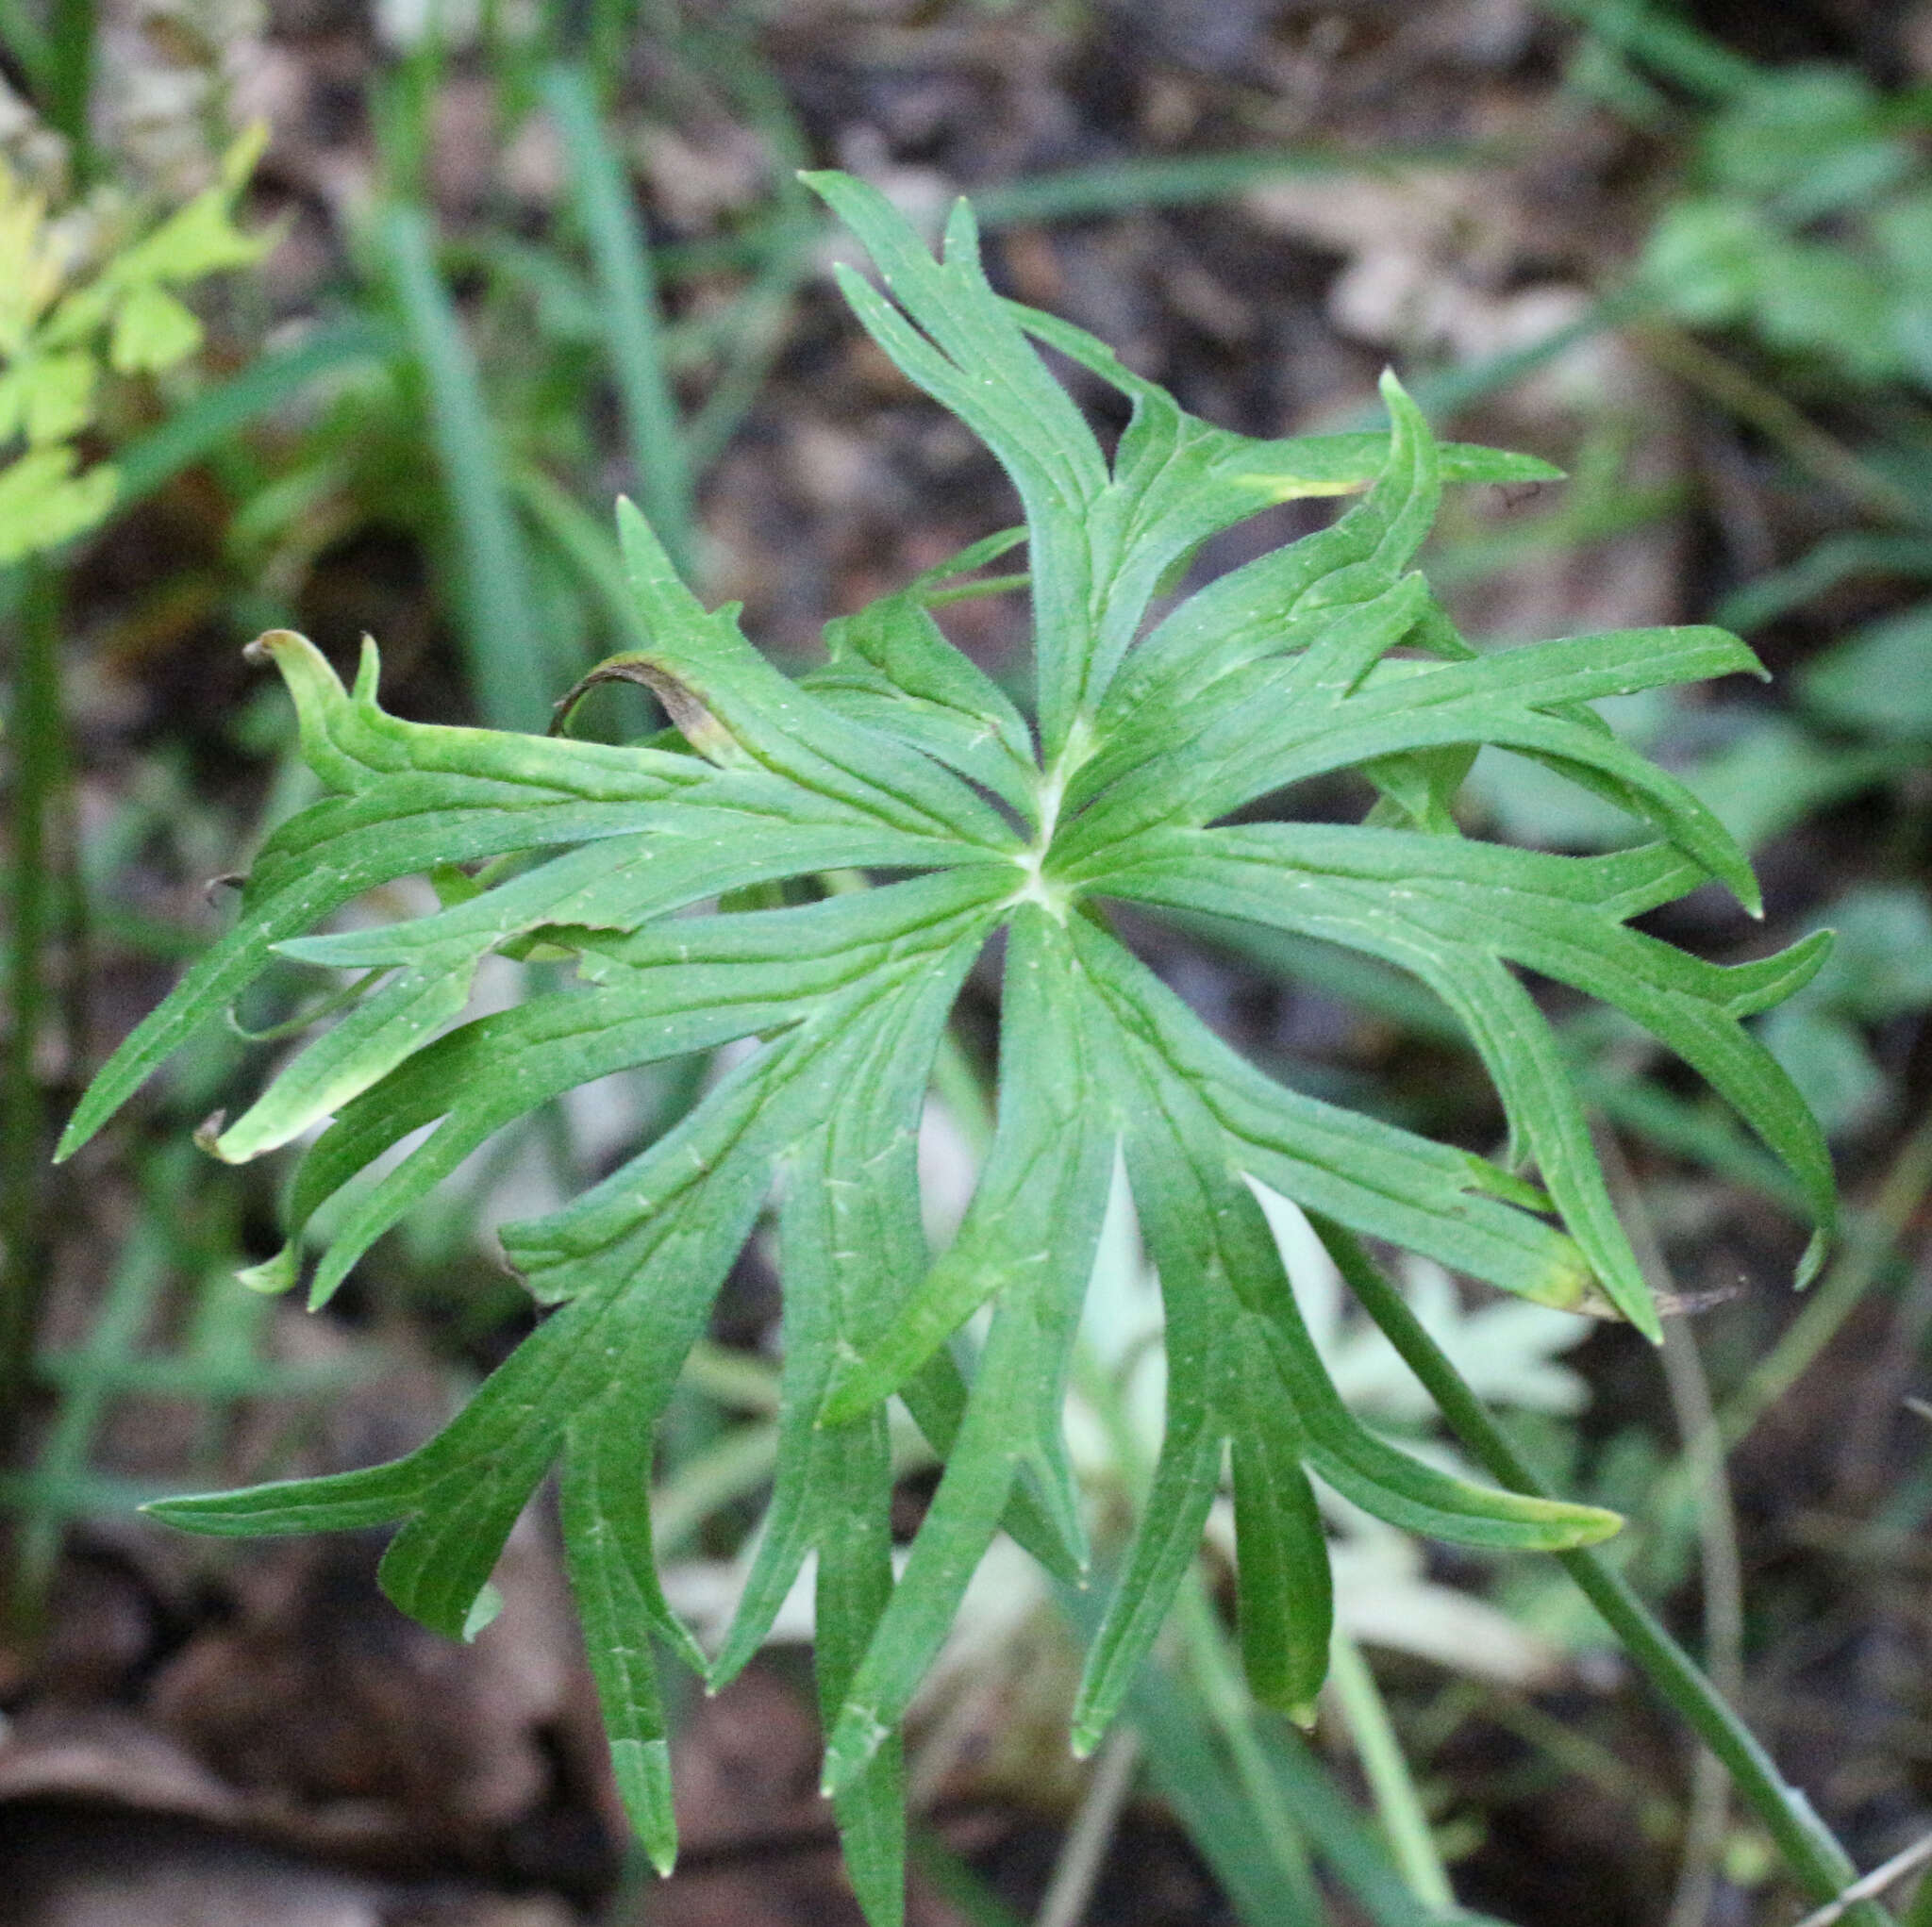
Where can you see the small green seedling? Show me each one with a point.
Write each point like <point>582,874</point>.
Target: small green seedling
<point>1154,722</point>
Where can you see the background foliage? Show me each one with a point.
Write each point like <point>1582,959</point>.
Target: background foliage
<point>412,419</point>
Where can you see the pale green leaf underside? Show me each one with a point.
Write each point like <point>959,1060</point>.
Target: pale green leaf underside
<point>902,765</point>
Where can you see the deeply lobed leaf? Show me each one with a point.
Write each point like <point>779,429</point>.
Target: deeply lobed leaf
<point>902,767</point>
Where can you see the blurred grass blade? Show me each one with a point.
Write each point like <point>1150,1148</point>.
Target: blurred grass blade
<point>69,78</point>
<point>1342,1839</point>
<point>753,329</point>
<point>957,1883</point>
<point>214,417</point>
<point>61,1469</point>
<point>757,331</point>
<point>1673,49</point>
<point>586,544</point>
<point>1122,186</point>
<point>30,616</point>
<point>1440,393</point>
<point>633,327</point>
<point>1215,1804</point>
<point>1757,603</point>
<point>1212,1806</point>
<point>501,637</point>
<point>26,40</point>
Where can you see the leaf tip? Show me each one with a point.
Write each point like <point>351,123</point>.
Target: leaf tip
<point>273,1276</point>
<point>1812,1262</point>
<point>326,1284</point>
<point>483,1611</point>
<point>643,1767</point>
<point>1396,398</point>
<point>272,645</point>
<point>368,672</point>
<point>183,1514</point>
<point>1594,1524</point>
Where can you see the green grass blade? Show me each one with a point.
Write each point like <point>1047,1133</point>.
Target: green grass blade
<point>633,324</point>
<point>1213,1806</point>
<point>509,665</point>
<point>587,544</point>
<point>757,333</point>
<point>1132,183</point>
<point>25,38</point>
<point>68,75</point>
<point>217,415</point>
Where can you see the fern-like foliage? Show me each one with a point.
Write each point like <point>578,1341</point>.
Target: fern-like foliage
<point>67,322</point>
<point>902,763</point>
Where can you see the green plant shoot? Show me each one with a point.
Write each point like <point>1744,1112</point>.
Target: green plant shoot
<point>1155,723</point>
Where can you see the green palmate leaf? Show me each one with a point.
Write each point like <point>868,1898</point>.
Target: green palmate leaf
<point>806,869</point>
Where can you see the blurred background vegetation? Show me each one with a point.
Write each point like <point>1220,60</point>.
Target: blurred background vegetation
<point>356,315</point>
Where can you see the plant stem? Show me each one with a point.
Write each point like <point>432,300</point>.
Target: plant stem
<point>1720,1570</point>
<point>39,763</point>
<point>1071,1889</point>
<point>1724,1616</point>
<point>1807,1845</point>
<point>1881,1877</point>
<point>1412,1839</point>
